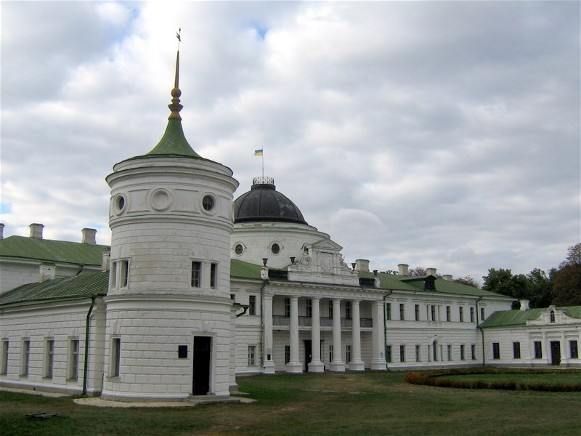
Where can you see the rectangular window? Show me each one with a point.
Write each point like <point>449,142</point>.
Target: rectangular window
<point>433,312</point>
<point>330,353</point>
<point>348,314</point>
<point>573,350</point>
<point>115,357</point>
<point>448,316</point>
<point>196,274</point>
<point>538,350</point>
<point>4,364</point>
<point>387,311</point>
<point>286,354</point>
<point>449,352</point>
<point>252,305</point>
<point>402,312</point>
<point>123,273</point>
<point>473,351</point>
<point>495,350</point>
<point>25,358</point>
<point>402,353</point>
<point>330,307</point>
<point>388,353</point>
<point>462,352</point>
<point>113,275</point>
<point>417,312</point>
<point>471,314</point>
<point>48,357</point>
<point>418,353</point>
<point>73,359</point>
<point>309,308</point>
<point>348,353</point>
<point>213,275</point>
<point>516,350</point>
<point>461,314</point>
<point>482,314</point>
<point>287,307</point>
<point>251,355</point>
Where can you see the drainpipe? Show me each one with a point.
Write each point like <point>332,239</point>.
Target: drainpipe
<point>87,331</point>
<point>385,329</point>
<point>481,331</point>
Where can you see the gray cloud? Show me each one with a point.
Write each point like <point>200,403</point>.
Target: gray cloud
<point>440,134</point>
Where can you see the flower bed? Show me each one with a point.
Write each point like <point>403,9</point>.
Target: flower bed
<point>441,378</point>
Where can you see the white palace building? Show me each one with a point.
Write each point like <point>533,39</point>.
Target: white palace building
<point>197,288</point>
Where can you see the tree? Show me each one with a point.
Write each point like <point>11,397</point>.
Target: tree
<point>417,271</point>
<point>567,283</point>
<point>468,281</point>
<point>540,288</point>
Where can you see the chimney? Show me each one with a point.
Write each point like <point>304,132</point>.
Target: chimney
<point>447,277</point>
<point>89,236</point>
<point>1,231</point>
<point>36,230</point>
<point>362,265</point>
<point>524,304</point>
<point>431,272</point>
<point>403,269</point>
<point>47,272</point>
<point>106,262</point>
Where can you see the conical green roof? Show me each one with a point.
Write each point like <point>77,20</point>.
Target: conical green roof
<point>173,142</point>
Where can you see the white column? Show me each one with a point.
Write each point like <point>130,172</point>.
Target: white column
<point>294,365</point>
<point>316,365</point>
<point>356,363</point>
<point>337,364</point>
<point>267,361</point>
<point>378,338</point>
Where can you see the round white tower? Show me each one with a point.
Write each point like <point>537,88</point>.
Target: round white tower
<point>168,305</point>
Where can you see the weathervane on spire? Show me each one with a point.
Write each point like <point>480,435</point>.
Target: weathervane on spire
<point>175,107</point>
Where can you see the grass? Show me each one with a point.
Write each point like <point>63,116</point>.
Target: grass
<point>524,378</point>
<point>361,404</point>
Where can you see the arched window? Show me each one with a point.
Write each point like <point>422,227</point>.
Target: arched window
<point>552,315</point>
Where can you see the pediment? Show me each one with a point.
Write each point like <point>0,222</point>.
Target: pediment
<point>327,245</point>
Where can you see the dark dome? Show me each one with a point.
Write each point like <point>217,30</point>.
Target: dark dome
<point>264,203</point>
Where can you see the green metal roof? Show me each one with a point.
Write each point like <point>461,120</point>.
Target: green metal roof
<point>507,318</point>
<point>75,287</point>
<point>387,281</point>
<point>244,270</point>
<point>451,287</point>
<point>51,251</point>
<point>173,142</point>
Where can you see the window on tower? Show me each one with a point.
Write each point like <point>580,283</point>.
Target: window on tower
<point>196,274</point>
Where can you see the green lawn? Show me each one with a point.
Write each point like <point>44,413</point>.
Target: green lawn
<point>350,404</point>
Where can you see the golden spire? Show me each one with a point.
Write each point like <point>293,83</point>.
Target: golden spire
<point>175,107</point>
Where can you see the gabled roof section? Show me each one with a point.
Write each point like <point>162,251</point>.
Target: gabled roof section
<point>244,270</point>
<point>67,288</point>
<point>47,250</point>
<point>506,318</point>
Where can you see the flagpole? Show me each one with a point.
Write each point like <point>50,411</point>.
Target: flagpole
<point>263,164</point>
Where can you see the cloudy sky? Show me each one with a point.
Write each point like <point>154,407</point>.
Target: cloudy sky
<point>438,134</point>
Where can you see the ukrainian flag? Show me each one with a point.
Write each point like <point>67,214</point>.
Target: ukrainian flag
<point>259,152</point>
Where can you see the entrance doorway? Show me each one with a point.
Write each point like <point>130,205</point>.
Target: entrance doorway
<point>202,360</point>
<point>555,352</point>
<point>308,354</point>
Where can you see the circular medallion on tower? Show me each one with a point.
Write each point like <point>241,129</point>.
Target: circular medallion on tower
<point>264,203</point>
<point>275,248</point>
<point>160,199</point>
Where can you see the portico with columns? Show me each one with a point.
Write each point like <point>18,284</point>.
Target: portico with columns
<point>344,327</point>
